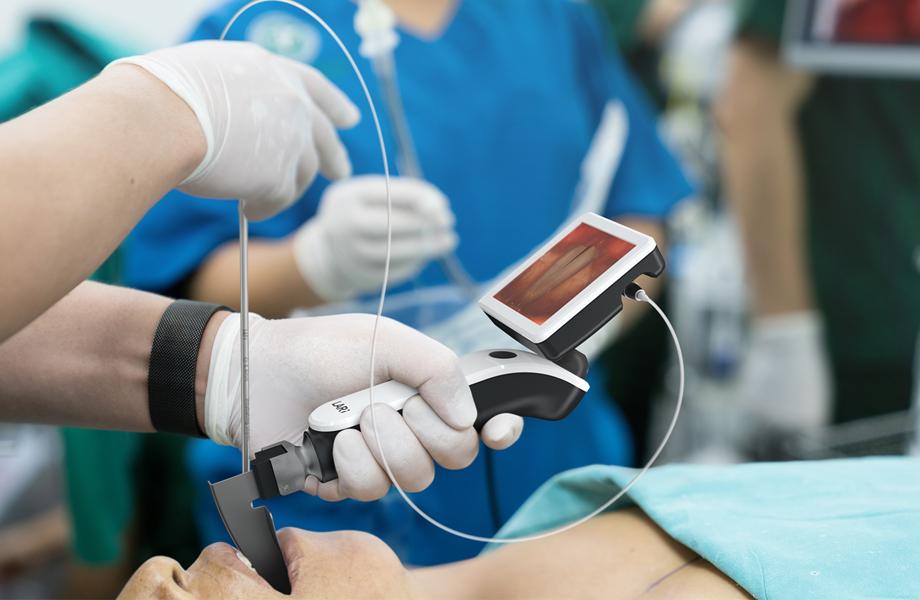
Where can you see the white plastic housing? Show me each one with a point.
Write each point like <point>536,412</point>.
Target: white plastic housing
<point>477,367</point>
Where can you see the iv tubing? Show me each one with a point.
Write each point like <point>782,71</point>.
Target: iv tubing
<point>244,332</point>
<point>641,296</point>
<point>407,158</point>
<point>244,230</point>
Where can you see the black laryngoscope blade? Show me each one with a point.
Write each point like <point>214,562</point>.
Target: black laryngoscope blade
<point>251,528</point>
<point>277,470</point>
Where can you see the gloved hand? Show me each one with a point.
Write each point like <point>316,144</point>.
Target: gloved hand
<point>269,122</point>
<point>785,383</point>
<point>341,252</point>
<point>298,364</point>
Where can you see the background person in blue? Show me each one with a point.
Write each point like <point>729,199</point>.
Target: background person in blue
<point>503,99</point>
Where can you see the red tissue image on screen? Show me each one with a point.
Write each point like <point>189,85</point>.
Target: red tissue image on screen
<point>878,21</point>
<point>563,272</point>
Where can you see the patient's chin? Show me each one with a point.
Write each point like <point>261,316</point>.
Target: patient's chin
<point>219,573</point>
<point>344,564</point>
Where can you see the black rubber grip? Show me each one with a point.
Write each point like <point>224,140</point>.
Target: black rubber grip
<point>173,362</point>
<point>264,472</point>
<point>526,395</point>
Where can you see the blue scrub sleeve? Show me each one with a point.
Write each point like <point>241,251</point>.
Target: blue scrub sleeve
<point>174,238</point>
<point>649,181</point>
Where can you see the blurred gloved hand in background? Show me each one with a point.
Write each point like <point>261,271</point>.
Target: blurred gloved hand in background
<point>269,122</point>
<point>341,252</point>
<point>785,382</point>
<point>299,364</point>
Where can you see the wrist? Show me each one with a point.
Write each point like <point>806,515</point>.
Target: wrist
<point>164,111</point>
<point>223,419</point>
<point>204,362</point>
<point>175,368</point>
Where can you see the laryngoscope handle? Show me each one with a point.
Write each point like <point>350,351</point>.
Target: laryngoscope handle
<point>523,394</point>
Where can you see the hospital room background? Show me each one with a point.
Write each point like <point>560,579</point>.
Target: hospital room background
<point>793,275</point>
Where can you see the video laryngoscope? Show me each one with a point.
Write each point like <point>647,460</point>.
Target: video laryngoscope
<point>554,301</point>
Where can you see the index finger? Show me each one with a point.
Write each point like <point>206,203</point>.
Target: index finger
<point>432,368</point>
<point>330,99</point>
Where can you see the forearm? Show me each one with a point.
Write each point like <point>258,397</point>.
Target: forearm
<point>78,173</point>
<point>763,172</point>
<point>764,181</point>
<point>84,361</point>
<point>275,285</point>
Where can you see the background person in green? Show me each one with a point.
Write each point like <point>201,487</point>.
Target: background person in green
<point>824,176</point>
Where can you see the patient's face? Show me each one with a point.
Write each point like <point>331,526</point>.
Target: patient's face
<point>321,565</point>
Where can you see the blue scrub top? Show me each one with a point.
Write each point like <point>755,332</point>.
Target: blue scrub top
<point>502,105</point>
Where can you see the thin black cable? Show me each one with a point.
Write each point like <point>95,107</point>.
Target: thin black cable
<point>494,507</point>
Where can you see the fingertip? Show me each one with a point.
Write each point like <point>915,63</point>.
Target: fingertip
<point>451,240</point>
<point>330,491</point>
<point>451,448</point>
<point>258,210</point>
<point>421,480</point>
<point>502,431</point>
<point>462,409</point>
<point>341,166</point>
<point>311,485</point>
<point>360,477</point>
<point>348,115</point>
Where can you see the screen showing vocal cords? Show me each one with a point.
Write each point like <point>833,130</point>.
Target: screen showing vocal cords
<point>563,272</point>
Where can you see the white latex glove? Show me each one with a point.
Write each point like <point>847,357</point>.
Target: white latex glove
<point>341,252</point>
<point>269,121</point>
<point>298,364</point>
<point>785,382</point>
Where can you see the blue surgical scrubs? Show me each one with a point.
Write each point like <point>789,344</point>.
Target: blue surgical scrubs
<point>503,104</point>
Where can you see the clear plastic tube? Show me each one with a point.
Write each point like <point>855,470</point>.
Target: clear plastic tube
<point>408,162</point>
<point>244,324</point>
<point>244,332</point>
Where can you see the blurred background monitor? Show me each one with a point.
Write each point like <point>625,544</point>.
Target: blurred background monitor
<point>854,37</point>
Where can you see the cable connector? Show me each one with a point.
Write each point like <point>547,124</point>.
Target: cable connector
<point>375,22</point>
<point>634,292</point>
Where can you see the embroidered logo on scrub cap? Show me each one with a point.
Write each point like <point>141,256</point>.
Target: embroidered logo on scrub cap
<point>286,35</point>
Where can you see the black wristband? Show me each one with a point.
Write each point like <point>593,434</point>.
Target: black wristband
<point>173,362</point>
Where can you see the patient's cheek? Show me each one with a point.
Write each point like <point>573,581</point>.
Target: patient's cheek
<point>159,577</point>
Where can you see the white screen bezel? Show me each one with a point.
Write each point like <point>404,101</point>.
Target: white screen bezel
<point>644,245</point>
<point>893,60</point>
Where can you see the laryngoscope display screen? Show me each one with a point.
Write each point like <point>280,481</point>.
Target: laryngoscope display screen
<point>563,272</point>
<point>882,22</point>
